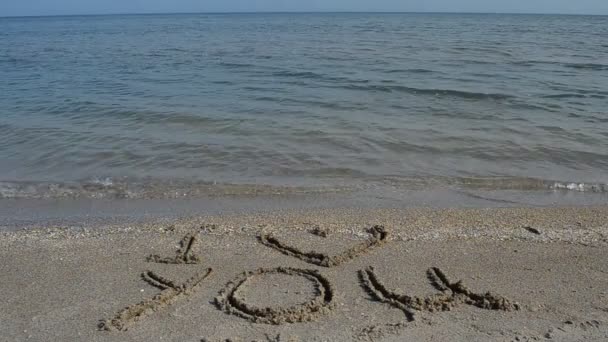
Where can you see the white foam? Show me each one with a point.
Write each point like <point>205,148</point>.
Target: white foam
<point>103,181</point>
<point>582,187</point>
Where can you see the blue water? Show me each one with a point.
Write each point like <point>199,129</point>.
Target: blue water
<point>139,105</point>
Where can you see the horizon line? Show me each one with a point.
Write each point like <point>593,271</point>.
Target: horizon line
<point>290,12</point>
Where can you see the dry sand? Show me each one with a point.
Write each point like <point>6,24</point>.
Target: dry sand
<point>316,275</point>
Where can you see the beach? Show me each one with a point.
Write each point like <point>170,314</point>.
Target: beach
<point>339,274</point>
<point>285,176</point>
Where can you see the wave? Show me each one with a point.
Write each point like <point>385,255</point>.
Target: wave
<point>483,50</point>
<point>411,71</point>
<point>582,187</point>
<point>580,66</point>
<point>321,104</point>
<point>494,183</point>
<point>298,74</point>
<point>122,188</point>
<point>530,184</point>
<point>232,65</point>
<point>587,66</point>
<point>102,113</point>
<point>309,75</point>
<point>470,95</point>
<point>564,96</point>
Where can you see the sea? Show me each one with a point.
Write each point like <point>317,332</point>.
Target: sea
<point>191,105</point>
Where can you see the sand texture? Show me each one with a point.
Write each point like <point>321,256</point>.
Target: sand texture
<point>315,275</point>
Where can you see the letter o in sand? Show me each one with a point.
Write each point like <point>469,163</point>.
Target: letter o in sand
<point>232,298</point>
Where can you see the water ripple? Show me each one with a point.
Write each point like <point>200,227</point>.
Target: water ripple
<point>163,105</point>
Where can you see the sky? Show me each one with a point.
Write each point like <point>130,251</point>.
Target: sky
<point>61,7</point>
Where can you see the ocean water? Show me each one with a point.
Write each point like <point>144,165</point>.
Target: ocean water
<point>186,105</point>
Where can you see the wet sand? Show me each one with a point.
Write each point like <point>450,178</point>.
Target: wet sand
<point>496,274</point>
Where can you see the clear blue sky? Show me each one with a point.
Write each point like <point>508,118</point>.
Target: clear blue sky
<point>55,7</point>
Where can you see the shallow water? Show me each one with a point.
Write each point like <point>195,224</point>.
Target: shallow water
<point>172,105</point>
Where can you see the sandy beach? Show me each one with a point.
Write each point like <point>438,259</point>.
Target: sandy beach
<point>314,275</point>
<point>303,171</point>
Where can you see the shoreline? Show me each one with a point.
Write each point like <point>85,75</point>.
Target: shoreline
<point>90,213</point>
